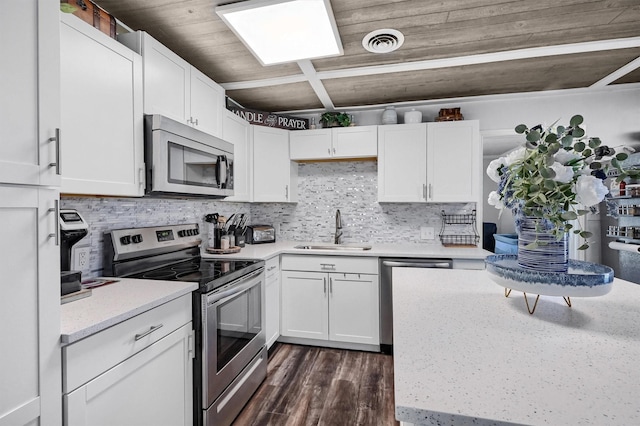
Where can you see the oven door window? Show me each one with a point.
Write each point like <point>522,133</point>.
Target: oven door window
<point>189,166</point>
<point>239,322</point>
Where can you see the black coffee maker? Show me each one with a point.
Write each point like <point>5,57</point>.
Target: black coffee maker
<point>72,229</point>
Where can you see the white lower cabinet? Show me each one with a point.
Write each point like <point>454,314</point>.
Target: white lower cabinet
<point>272,292</point>
<point>340,306</point>
<point>138,372</point>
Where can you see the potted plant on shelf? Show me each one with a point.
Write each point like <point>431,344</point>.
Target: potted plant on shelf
<point>553,179</point>
<point>335,119</point>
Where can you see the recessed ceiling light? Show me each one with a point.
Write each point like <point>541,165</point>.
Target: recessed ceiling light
<point>279,31</point>
<point>383,41</point>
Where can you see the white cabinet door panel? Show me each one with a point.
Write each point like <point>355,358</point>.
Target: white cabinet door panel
<point>354,308</point>
<point>207,103</point>
<point>272,168</point>
<point>30,87</point>
<point>454,156</point>
<point>238,132</point>
<point>402,162</point>
<point>101,93</point>
<point>166,82</point>
<point>304,305</point>
<point>152,387</point>
<point>29,307</point>
<point>310,144</point>
<point>355,142</point>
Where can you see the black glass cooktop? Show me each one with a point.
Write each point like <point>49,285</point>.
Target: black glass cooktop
<point>208,273</point>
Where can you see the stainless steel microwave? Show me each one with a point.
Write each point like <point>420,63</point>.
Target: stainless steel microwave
<point>183,161</point>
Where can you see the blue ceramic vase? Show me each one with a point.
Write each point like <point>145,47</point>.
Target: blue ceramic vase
<point>551,254</point>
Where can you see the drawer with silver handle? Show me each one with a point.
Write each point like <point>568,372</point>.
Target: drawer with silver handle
<point>347,264</point>
<point>90,357</point>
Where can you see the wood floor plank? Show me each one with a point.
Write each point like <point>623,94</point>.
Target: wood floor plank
<point>321,386</point>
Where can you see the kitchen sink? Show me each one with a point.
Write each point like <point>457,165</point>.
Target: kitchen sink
<point>338,247</point>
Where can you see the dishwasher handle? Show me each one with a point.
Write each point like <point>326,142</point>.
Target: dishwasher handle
<point>439,265</point>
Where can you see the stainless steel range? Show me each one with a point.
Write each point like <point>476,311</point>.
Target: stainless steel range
<point>228,311</point>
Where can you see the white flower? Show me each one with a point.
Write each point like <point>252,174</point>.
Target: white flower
<point>515,156</point>
<point>564,174</point>
<point>494,200</point>
<point>563,157</point>
<point>590,190</point>
<point>494,166</point>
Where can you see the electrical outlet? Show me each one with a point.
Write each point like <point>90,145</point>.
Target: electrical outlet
<point>427,233</point>
<point>81,258</point>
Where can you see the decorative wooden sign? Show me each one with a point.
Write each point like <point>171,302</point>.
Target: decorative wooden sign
<point>269,119</point>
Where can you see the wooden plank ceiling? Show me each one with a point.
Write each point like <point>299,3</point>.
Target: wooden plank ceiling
<point>452,48</point>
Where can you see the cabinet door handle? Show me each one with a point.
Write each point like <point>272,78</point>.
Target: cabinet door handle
<point>57,163</point>
<point>430,192</point>
<point>324,280</point>
<point>141,176</point>
<point>330,285</point>
<point>56,210</point>
<point>424,191</point>
<point>334,150</point>
<point>196,122</point>
<point>331,266</point>
<point>148,332</point>
<point>286,192</point>
<point>271,268</point>
<point>329,151</point>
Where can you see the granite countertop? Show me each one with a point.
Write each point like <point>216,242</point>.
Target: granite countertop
<point>113,303</point>
<point>464,354</point>
<point>266,251</point>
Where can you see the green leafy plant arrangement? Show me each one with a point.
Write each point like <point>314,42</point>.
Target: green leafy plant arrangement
<point>557,176</point>
<point>340,118</point>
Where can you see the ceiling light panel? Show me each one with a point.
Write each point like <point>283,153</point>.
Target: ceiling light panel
<point>279,31</point>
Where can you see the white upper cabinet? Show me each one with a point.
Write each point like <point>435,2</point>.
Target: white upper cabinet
<point>454,156</point>
<point>101,113</point>
<point>310,144</point>
<point>429,162</point>
<point>237,131</point>
<point>174,88</point>
<point>355,142</point>
<point>275,177</point>
<point>30,87</point>
<point>339,142</point>
<point>402,163</point>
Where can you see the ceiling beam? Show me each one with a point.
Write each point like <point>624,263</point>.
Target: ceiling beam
<point>483,58</point>
<point>620,72</point>
<point>310,73</point>
<point>511,55</point>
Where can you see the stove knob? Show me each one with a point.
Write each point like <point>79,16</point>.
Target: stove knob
<point>191,232</point>
<point>181,233</point>
<point>125,240</point>
<point>196,231</point>
<point>137,238</point>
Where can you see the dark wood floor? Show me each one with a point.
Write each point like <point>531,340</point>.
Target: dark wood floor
<point>319,386</point>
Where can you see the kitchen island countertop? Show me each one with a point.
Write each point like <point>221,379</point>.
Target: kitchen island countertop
<point>266,251</point>
<point>464,354</point>
<point>113,303</point>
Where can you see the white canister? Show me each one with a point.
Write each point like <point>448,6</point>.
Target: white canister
<point>413,116</point>
<point>390,116</point>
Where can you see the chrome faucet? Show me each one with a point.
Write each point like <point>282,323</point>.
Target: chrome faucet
<point>338,233</point>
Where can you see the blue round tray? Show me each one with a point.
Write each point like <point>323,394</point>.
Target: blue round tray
<point>583,279</point>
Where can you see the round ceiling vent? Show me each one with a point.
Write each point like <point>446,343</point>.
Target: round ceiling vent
<point>383,41</point>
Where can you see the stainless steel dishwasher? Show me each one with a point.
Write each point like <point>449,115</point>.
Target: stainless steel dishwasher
<point>386,293</point>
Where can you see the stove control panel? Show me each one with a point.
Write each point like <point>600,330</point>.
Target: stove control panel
<point>133,242</point>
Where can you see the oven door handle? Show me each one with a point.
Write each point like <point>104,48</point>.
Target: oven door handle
<point>228,294</point>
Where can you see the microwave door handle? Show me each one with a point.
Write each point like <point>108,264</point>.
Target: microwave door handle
<point>221,171</point>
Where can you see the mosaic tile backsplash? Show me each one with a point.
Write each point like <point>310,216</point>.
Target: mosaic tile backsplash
<point>322,189</point>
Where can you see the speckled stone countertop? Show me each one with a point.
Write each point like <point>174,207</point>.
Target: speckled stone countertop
<point>266,251</point>
<point>464,354</point>
<point>113,303</point>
